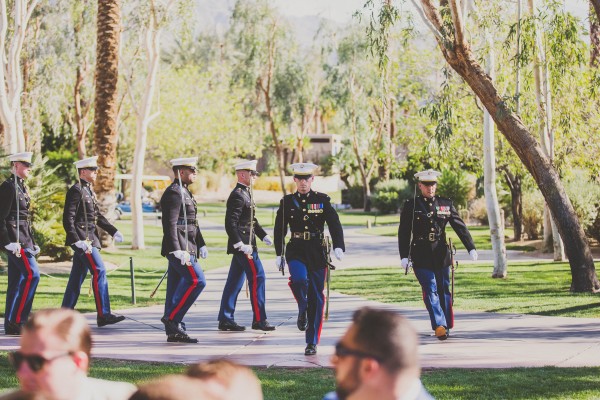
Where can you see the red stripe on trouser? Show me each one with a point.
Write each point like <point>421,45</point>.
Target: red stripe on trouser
<point>187,292</point>
<point>95,283</point>
<point>322,309</point>
<point>254,290</point>
<point>290,286</point>
<point>27,285</point>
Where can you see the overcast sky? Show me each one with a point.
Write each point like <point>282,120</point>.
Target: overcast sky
<point>342,10</point>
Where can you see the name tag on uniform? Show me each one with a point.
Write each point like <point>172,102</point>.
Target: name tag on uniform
<point>316,208</point>
<point>442,210</point>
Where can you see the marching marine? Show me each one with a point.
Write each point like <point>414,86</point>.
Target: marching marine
<point>242,227</point>
<point>17,238</point>
<point>81,219</point>
<point>182,244</point>
<point>306,212</point>
<point>422,245</point>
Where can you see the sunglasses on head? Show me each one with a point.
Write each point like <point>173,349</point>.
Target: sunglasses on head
<point>35,362</point>
<point>342,351</point>
<point>429,183</point>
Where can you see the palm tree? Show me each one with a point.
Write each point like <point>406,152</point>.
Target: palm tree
<point>105,118</point>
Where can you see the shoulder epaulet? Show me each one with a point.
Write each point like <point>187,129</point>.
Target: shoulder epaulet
<point>239,190</point>
<point>323,195</point>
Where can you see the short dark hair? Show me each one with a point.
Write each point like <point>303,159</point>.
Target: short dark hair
<point>388,336</point>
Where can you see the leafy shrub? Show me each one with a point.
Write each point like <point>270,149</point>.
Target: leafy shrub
<point>533,214</point>
<point>389,195</point>
<point>478,210</point>
<point>273,183</point>
<point>584,195</point>
<point>455,185</point>
<point>353,196</point>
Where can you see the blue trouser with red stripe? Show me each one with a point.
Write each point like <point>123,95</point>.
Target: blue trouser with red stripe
<point>436,295</point>
<point>184,285</point>
<point>240,268</point>
<point>79,270</point>
<point>23,278</point>
<point>307,287</point>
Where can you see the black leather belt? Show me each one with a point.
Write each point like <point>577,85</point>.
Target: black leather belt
<point>306,235</point>
<point>432,237</point>
<point>189,222</point>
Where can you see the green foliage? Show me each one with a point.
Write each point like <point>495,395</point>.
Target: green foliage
<point>354,196</point>
<point>61,162</point>
<point>389,195</point>
<point>455,185</point>
<point>584,194</point>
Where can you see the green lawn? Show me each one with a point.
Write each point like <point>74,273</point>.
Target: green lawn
<point>313,383</point>
<point>480,234</point>
<point>530,288</point>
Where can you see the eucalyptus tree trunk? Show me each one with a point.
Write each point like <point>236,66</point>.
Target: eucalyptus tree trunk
<point>595,33</point>
<point>453,44</point>
<point>11,74</point>
<point>143,110</point>
<point>105,117</point>
<point>552,241</point>
<point>489,178</point>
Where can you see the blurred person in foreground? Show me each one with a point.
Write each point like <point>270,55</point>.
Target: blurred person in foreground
<point>176,387</point>
<point>233,380</point>
<point>377,358</point>
<point>54,357</point>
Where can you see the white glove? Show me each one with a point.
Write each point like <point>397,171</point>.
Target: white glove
<point>404,263</point>
<point>203,252</point>
<point>118,237</point>
<point>35,251</point>
<point>278,262</point>
<point>246,249</point>
<point>83,245</point>
<point>339,253</point>
<point>14,248</point>
<point>183,256</point>
<point>268,241</point>
<point>474,255</point>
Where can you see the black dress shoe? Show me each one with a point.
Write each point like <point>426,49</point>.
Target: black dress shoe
<point>12,328</point>
<point>172,327</point>
<point>302,322</point>
<point>311,349</point>
<point>231,326</point>
<point>262,326</point>
<point>109,319</point>
<point>178,338</point>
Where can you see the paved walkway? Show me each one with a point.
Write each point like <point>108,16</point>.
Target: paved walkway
<point>479,340</point>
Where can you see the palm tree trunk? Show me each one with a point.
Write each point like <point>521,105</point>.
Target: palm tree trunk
<point>105,118</point>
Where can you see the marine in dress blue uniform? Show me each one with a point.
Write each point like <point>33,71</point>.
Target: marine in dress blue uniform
<point>16,238</point>
<point>426,216</point>
<point>242,228</point>
<point>182,244</point>
<point>81,219</point>
<point>306,212</point>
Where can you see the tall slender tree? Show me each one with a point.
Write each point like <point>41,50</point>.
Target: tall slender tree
<point>105,117</point>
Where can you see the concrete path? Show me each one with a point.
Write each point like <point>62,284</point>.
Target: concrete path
<point>479,340</point>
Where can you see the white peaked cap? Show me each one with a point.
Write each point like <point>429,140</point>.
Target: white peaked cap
<point>428,176</point>
<point>89,162</point>
<point>21,157</point>
<point>249,165</point>
<point>304,168</point>
<point>184,162</point>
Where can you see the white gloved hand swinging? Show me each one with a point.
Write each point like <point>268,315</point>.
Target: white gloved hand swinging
<point>118,236</point>
<point>474,255</point>
<point>404,263</point>
<point>203,252</point>
<point>268,241</point>
<point>339,253</point>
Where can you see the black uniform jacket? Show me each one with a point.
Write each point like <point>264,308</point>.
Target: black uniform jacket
<point>81,202</point>
<point>173,221</point>
<point>237,219</point>
<point>8,214</point>
<point>428,248</point>
<point>306,215</point>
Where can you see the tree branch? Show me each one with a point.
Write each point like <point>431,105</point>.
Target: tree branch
<point>431,27</point>
<point>596,4</point>
<point>433,16</point>
<point>459,29</point>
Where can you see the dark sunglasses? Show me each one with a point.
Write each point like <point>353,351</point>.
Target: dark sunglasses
<point>343,351</point>
<point>35,362</point>
<point>429,183</point>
